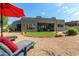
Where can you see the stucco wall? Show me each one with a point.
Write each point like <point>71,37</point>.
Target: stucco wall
<point>24,21</point>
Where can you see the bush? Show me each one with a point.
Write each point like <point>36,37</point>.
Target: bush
<point>72,31</point>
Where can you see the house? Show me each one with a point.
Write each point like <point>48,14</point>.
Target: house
<point>38,24</point>
<point>73,24</point>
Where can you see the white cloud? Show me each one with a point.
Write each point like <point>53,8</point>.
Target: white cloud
<point>74,16</point>
<point>43,13</point>
<point>66,10</point>
<point>61,9</point>
<point>76,13</point>
<point>59,4</point>
<point>70,11</point>
<point>64,7</point>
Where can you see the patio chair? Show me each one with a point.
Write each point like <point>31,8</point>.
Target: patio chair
<point>23,47</point>
<point>12,38</point>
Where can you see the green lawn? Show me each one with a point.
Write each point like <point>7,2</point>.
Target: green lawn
<point>40,34</point>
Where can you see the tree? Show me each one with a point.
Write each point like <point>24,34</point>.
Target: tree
<point>5,21</point>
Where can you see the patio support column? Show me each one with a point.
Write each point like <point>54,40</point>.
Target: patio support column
<point>1,21</point>
<point>56,27</point>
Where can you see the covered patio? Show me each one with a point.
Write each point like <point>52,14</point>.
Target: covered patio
<point>45,27</point>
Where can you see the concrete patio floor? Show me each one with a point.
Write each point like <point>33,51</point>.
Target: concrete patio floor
<point>60,46</point>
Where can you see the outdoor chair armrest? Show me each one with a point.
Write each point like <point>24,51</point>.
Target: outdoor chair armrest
<point>18,52</point>
<point>12,38</point>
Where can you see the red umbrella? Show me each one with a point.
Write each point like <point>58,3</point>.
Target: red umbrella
<point>9,10</point>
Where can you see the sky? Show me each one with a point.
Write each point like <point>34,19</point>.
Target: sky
<point>66,11</point>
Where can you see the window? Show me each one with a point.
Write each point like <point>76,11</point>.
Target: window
<point>60,25</point>
<point>30,26</point>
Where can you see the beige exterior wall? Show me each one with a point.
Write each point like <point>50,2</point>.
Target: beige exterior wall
<point>24,21</point>
<point>61,28</point>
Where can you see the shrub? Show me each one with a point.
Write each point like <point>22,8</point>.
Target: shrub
<point>72,31</point>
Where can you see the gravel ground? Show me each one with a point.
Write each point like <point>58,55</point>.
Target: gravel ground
<point>60,46</point>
